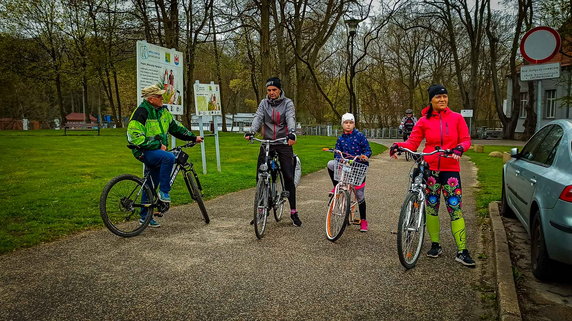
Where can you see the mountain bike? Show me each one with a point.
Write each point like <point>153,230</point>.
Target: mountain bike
<point>343,203</point>
<point>270,191</point>
<point>411,225</point>
<point>125,196</point>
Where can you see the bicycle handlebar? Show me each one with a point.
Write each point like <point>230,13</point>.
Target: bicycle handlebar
<point>284,140</point>
<point>437,150</point>
<point>189,144</point>
<point>336,151</point>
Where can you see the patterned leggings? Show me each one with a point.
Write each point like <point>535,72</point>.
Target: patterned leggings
<point>448,183</point>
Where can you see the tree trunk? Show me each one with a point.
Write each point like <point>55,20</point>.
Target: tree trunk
<point>252,64</point>
<point>106,83</point>
<point>84,98</point>
<point>281,46</point>
<point>493,43</point>
<point>531,116</point>
<point>59,97</point>
<point>218,73</point>
<point>119,111</point>
<point>265,59</point>
<point>189,84</point>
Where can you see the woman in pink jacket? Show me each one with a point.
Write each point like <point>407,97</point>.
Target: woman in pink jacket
<point>440,126</point>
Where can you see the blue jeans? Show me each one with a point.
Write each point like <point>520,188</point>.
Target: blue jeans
<point>160,164</point>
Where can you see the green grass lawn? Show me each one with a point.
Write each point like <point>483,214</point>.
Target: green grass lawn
<point>52,183</point>
<point>489,176</point>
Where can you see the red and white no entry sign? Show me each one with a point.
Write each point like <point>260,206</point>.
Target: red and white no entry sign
<point>540,44</point>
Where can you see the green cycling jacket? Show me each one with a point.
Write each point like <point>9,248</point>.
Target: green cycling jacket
<point>149,127</point>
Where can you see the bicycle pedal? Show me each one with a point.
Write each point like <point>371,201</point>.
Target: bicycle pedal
<point>285,194</point>
<point>356,222</point>
<point>158,214</point>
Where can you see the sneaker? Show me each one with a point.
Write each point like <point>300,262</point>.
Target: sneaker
<point>464,258</point>
<point>296,219</point>
<point>164,197</point>
<point>435,250</point>
<point>331,193</point>
<point>363,226</point>
<point>152,223</point>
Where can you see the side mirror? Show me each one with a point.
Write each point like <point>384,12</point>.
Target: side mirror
<point>514,153</point>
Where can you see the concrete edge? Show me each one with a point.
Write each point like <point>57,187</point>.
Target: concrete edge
<point>507,298</point>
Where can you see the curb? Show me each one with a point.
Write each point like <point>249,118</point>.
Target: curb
<point>506,290</point>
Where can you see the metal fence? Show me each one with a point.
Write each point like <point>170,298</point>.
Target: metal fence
<point>328,130</point>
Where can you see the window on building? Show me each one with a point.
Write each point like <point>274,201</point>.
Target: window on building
<point>523,104</point>
<point>550,103</point>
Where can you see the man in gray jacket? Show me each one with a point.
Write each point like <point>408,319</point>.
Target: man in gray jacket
<point>276,117</point>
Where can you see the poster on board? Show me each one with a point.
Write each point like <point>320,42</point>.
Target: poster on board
<point>207,99</point>
<point>163,67</point>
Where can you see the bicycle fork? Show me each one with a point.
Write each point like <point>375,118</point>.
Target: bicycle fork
<point>419,205</point>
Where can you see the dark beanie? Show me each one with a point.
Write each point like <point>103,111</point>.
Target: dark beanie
<point>436,89</point>
<point>274,81</point>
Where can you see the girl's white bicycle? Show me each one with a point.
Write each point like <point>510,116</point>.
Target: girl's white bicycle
<point>343,203</point>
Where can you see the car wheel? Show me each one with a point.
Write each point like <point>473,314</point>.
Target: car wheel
<point>505,210</point>
<point>541,263</point>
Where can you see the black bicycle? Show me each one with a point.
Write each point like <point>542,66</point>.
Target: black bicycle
<point>270,191</point>
<point>411,226</point>
<point>124,196</point>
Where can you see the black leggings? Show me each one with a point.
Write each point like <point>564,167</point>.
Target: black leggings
<point>286,158</point>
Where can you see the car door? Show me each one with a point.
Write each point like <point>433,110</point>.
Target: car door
<point>534,169</point>
<point>537,171</point>
<point>518,186</point>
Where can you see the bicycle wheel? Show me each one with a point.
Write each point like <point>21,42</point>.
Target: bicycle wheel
<point>280,199</point>
<point>120,205</point>
<point>193,187</point>
<point>260,208</point>
<point>337,216</point>
<point>410,230</point>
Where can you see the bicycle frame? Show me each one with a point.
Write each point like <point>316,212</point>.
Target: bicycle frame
<point>126,190</point>
<point>411,229</point>
<point>264,171</point>
<point>180,164</point>
<point>346,186</point>
<point>268,173</point>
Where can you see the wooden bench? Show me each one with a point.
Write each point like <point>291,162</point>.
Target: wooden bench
<point>81,127</point>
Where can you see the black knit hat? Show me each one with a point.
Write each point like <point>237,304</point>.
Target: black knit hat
<point>436,89</point>
<point>274,81</point>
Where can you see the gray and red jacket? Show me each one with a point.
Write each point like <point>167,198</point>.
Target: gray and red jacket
<point>276,117</point>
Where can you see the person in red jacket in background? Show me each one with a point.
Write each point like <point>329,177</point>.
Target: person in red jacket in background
<point>440,126</point>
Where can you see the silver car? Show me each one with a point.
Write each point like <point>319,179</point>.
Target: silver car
<point>537,188</point>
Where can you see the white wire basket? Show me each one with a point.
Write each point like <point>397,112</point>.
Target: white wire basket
<point>351,173</point>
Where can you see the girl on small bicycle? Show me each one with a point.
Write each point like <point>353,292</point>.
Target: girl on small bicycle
<point>352,142</point>
<point>440,126</point>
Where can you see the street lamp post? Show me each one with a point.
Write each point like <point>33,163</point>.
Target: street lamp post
<point>352,27</point>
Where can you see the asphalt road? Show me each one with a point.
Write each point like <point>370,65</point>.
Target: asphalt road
<point>187,270</point>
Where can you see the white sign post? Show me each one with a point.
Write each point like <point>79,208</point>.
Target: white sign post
<point>162,67</point>
<point>469,114</point>
<point>538,46</point>
<point>207,102</point>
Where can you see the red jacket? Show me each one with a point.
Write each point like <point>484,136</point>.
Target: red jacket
<point>446,129</point>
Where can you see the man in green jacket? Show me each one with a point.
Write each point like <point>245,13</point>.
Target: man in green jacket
<point>147,134</point>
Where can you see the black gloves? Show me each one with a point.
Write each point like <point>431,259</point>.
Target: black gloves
<point>291,136</point>
<point>393,149</point>
<point>459,150</point>
<point>248,135</point>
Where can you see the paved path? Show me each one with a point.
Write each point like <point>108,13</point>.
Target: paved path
<point>186,270</point>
